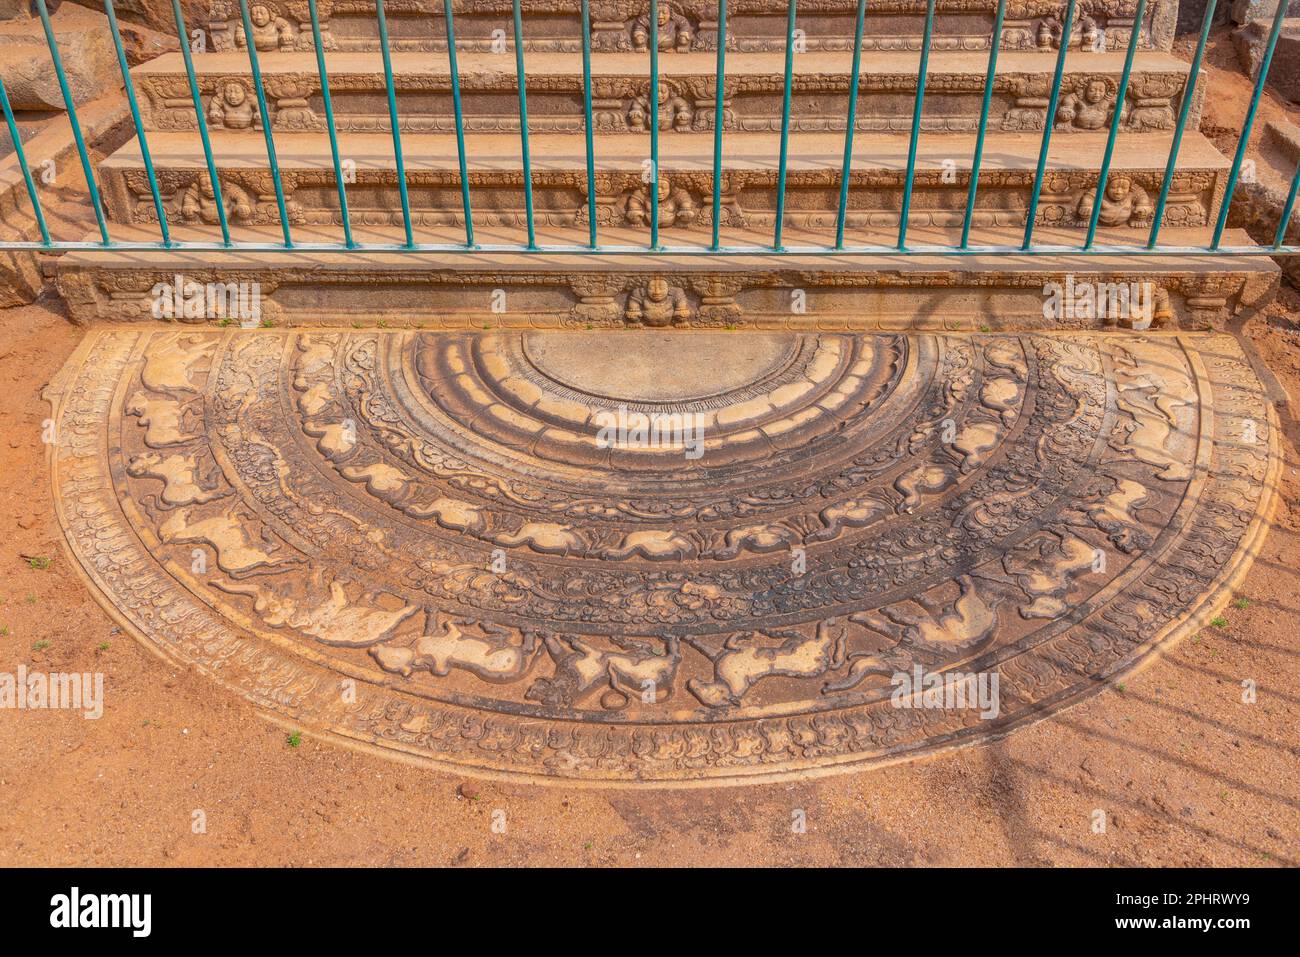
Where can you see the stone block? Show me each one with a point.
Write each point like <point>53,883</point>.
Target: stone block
<point>85,47</point>
<point>1284,73</point>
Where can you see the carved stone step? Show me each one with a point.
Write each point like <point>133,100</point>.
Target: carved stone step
<point>575,290</point>
<point>753,25</point>
<point>685,184</point>
<point>621,92</point>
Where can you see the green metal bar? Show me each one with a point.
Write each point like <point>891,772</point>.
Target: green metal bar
<point>851,123</point>
<point>978,159</point>
<point>184,37</point>
<point>1249,125</point>
<point>460,121</point>
<point>139,125</point>
<point>1048,123</point>
<point>720,77</point>
<point>654,124</point>
<point>906,211</point>
<point>1287,211</point>
<point>73,121</point>
<point>586,108</point>
<point>881,252</point>
<point>1103,177</point>
<point>22,164</point>
<point>329,122</point>
<point>520,73</point>
<point>393,121</point>
<point>271,158</point>
<point>1189,95</point>
<point>785,126</point>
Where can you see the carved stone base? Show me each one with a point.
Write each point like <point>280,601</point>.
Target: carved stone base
<point>459,548</point>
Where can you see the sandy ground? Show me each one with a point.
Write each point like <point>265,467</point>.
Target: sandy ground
<point>1187,773</point>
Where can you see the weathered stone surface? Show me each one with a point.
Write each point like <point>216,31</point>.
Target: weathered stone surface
<point>755,292</point>
<point>685,183</point>
<point>85,45</point>
<point>690,25</point>
<point>1284,73</point>
<point>1247,11</point>
<point>621,93</point>
<point>434,522</point>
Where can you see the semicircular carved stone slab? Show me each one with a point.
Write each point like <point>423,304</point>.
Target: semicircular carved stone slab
<point>649,557</point>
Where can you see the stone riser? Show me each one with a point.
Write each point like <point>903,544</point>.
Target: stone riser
<point>557,291</point>
<point>620,104</point>
<point>560,198</point>
<point>758,25</point>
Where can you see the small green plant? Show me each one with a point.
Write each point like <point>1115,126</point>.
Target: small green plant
<point>1120,687</point>
<point>985,327</point>
<point>1243,603</point>
<point>293,739</point>
<point>30,599</point>
<point>1219,622</point>
<point>103,646</point>
<point>4,631</point>
<point>225,321</point>
<point>383,323</point>
<point>40,646</point>
<point>268,323</point>
<point>38,562</point>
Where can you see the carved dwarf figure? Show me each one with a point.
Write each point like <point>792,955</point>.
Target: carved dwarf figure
<point>199,204</point>
<point>675,31</point>
<point>657,304</point>
<point>1125,203</point>
<point>232,108</point>
<point>1051,30</point>
<point>675,206</point>
<point>675,112</point>
<point>270,31</point>
<point>1088,108</point>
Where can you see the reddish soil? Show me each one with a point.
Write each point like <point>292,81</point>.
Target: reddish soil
<point>1187,773</point>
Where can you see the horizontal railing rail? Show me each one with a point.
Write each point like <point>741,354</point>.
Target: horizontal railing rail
<point>836,242</point>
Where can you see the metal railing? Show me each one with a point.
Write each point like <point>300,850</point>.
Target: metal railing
<point>835,244</point>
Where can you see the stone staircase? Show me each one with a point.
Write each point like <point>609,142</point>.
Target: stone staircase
<point>569,289</point>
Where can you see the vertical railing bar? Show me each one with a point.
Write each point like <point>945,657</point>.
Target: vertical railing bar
<point>720,75</point>
<point>460,122</point>
<point>329,123</point>
<point>145,156</point>
<point>1189,96</point>
<point>851,123</point>
<point>271,157</point>
<point>184,37</point>
<point>1287,210</point>
<point>523,125</point>
<point>1249,124</point>
<point>783,163</point>
<point>73,121</point>
<point>1121,94</point>
<point>21,156</point>
<point>1049,121</point>
<point>587,123</point>
<point>978,159</point>
<point>393,121</point>
<point>654,124</point>
<point>922,71</point>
